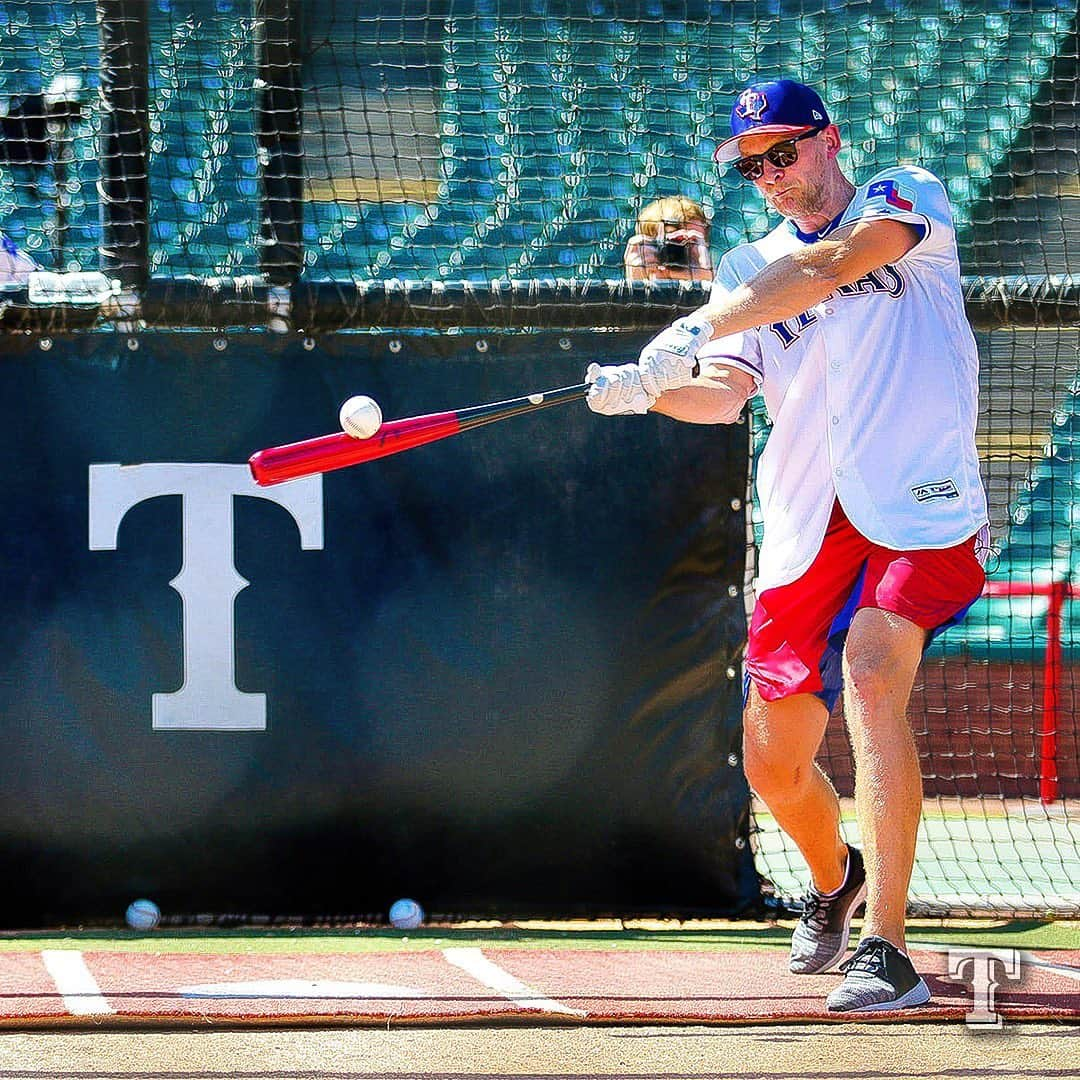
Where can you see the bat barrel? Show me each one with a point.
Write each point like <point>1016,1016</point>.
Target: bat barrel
<point>277,464</point>
<point>337,451</point>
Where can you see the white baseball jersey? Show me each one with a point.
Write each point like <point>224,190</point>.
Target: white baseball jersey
<point>873,393</point>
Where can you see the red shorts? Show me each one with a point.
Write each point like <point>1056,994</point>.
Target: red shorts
<point>797,631</point>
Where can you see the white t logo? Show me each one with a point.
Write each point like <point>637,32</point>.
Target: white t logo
<point>985,979</point>
<point>208,582</point>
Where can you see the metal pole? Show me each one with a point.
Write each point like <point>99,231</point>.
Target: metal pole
<point>278,29</point>
<point>124,149</point>
<point>1048,765</point>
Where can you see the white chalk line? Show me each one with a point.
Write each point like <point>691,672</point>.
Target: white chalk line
<point>79,989</point>
<point>473,962</point>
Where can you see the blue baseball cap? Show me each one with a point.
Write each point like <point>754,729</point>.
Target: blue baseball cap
<point>781,107</point>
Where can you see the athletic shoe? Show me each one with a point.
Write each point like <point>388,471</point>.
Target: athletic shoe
<point>878,977</point>
<point>821,936</point>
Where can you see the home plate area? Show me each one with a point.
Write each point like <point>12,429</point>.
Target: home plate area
<point>64,988</point>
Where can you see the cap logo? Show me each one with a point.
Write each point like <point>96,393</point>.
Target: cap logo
<point>816,115</point>
<point>751,106</point>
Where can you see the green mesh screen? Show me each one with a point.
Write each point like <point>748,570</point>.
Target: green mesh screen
<point>204,173</point>
<point>440,142</point>
<point>535,131</point>
<point>50,213</point>
<point>475,140</point>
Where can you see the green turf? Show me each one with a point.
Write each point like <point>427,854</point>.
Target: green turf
<point>1028,934</point>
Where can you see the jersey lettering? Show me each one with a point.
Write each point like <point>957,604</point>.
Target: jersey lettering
<point>886,280</point>
<point>789,332</point>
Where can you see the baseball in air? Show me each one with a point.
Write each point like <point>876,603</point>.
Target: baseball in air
<point>406,914</point>
<point>360,417</point>
<point>142,915</point>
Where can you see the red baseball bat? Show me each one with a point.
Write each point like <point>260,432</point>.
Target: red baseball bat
<point>276,464</point>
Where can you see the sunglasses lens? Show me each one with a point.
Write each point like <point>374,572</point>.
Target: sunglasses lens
<point>783,155</point>
<point>749,167</point>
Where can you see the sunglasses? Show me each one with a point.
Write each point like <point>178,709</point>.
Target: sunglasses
<point>782,156</point>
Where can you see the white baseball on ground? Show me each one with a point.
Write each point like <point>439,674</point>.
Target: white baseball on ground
<point>360,417</point>
<point>143,915</point>
<point>406,914</point>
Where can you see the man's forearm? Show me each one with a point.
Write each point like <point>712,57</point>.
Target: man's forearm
<point>797,282</point>
<point>717,397</point>
<point>780,291</point>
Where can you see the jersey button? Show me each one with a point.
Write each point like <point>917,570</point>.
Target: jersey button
<point>836,419</point>
<point>838,472</point>
<point>828,311</point>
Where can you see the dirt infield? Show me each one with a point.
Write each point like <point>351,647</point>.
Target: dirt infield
<point>63,988</point>
<point>510,1002</point>
<point>777,1052</point>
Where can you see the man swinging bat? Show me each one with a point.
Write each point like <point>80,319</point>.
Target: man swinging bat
<point>849,318</point>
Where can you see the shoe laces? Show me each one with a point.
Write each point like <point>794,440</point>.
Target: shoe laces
<point>814,909</point>
<point>869,957</point>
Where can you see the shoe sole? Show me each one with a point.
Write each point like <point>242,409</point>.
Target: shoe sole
<point>860,896</point>
<point>919,994</point>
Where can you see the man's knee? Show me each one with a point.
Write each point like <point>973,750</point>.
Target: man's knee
<point>871,679</point>
<point>880,663</point>
<point>780,742</point>
<point>877,687</point>
<point>774,775</point>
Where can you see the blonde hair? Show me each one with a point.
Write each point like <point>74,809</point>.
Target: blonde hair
<point>674,210</point>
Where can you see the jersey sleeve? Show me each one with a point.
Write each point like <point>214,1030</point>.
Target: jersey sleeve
<point>911,194</point>
<point>742,351</point>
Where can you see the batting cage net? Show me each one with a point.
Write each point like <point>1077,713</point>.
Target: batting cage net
<point>437,165</point>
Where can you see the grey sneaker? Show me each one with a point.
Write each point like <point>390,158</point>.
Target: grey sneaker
<point>878,978</point>
<point>821,935</point>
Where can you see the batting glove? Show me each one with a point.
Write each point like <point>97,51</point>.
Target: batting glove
<point>669,361</point>
<point>617,391</point>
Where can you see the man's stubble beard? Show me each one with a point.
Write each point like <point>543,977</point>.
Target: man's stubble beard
<point>810,202</point>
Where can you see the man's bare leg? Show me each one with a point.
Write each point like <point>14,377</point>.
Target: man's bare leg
<point>880,661</point>
<point>780,742</point>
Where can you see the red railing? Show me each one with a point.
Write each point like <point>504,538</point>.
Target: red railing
<point>1057,592</point>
